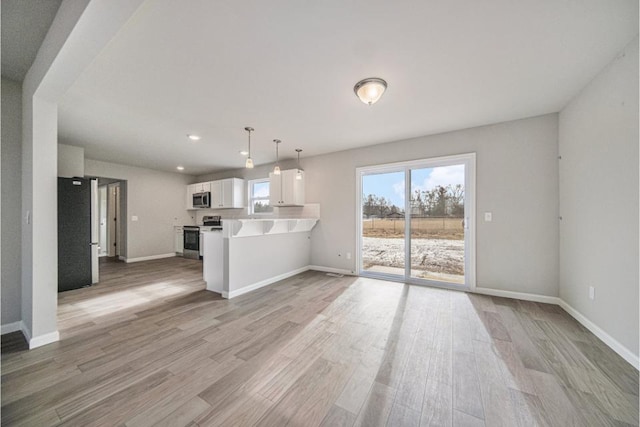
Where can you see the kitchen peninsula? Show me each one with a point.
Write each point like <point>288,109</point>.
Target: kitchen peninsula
<point>248,254</point>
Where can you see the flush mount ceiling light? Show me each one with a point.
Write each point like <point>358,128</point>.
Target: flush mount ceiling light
<point>243,152</point>
<point>193,137</point>
<point>276,170</point>
<point>180,168</point>
<point>299,173</point>
<point>249,163</point>
<point>370,90</point>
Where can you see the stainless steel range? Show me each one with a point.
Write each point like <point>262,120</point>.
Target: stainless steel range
<point>193,235</point>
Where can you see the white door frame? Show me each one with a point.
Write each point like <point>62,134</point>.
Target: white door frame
<point>469,160</point>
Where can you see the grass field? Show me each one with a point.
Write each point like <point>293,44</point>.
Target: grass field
<point>427,228</point>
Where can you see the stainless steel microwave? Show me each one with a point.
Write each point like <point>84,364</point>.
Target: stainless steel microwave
<point>202,200</point>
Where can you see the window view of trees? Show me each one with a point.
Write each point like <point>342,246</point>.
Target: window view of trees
<point>440,201</point>
<point>379,207</point>
<point>261,207</point>
<point>435,229</point>
<point>259,196</point>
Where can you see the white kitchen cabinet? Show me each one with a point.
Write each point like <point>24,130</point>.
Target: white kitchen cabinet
<point>179,239</point>
<point>191,190</point>
<point>200,187</point>
<point>285,189</point>
<point>227,193</point>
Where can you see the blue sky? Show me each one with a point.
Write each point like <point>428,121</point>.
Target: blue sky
<point>391,185</point>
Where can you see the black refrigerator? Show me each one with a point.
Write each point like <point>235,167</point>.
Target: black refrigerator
<point>77,233</point>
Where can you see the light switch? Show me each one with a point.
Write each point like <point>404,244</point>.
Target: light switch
<point>488,217</point>
<point>134,218</point>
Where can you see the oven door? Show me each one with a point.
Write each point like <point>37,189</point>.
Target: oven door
<point>191,243</point>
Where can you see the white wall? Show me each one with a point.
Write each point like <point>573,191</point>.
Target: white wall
<point>599,199</point>
<point>11,200</point>
<point>516,180</point>
<point>270,256</point>
<point>156,198</point>
<point>70,161</point>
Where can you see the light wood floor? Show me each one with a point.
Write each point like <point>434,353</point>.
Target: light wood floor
<point>148,346</point>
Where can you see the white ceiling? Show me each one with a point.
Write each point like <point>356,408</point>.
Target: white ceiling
<point>287,68</point>
<point>24,25</point>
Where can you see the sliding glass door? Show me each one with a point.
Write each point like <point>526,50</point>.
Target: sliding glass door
<point>437,223</point>
<point>383,227</point>
<point>416,221</point>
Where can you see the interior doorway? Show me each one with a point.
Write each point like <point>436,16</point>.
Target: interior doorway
<point>112,214</point>
<point>113,219</point>
<point>102,213</point>
<point>416,221</point>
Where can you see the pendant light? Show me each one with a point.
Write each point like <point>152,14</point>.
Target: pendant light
<point>249,163</point>
<point>370,90</point>
<point>276,170</point>
<point>299,173</point>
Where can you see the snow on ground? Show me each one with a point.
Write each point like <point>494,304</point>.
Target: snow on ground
<point>433,255</point>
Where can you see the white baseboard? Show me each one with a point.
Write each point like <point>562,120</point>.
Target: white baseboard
<point>12,327</point>
<point>148,258</point>
<point>33,342</point>
<point>517,295</point>
<point>614,344</point>
<point>262,283</point>
<point>331,270</point>
<point>41,340</point>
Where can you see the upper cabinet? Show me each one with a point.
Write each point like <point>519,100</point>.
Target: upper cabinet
<point>286,189</point>
<point>191,190</point>
<point>227,193</point>
<point>201,187</point>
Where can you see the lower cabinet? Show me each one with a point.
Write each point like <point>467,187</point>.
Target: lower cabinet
<point>179,240</point>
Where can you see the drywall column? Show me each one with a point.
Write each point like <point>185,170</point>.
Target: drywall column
<point>39,220</point>
<point>80,30</point>
<point>11,202</point>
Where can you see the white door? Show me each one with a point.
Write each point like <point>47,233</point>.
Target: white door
<point>102,197</point>
<point>111,221</point>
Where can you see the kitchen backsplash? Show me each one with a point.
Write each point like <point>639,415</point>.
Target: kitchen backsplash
<point>310,210</point>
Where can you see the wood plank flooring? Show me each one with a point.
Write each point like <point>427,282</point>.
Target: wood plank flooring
<point>149,346</point>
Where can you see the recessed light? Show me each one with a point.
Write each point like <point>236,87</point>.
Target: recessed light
<point>193,137</point>
<point>243,152</point>
<point>180,168</point>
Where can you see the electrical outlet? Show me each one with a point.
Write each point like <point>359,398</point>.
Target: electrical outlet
<point>488,217</point>
<point>592,293</point>
<point>134,218</point>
